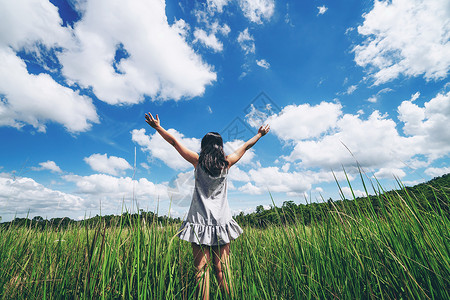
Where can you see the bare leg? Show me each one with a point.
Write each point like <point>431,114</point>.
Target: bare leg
<point>222,266</point>
<point>201,261</point>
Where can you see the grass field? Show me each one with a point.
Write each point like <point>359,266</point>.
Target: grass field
<point>401,253</point>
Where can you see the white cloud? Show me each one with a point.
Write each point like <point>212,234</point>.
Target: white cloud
<point>297,122</point>
<point>111,191</point>
<point>435,172</point>
<point>374,142</point>
<point>223,30</point>
<point>145,165</point>
<point>110,165</point>
<point>231,146</point>
<point>428,124</point>
<point>22,194</point>
<point>181,188</point>
<point>351,89</point>
<point>263,63</point>
<point>323,137</point>
<point>274,180</point>
<point>25,22</point>
<point>322,9</point>
<point>286,167</point>
<point>373,99</point>
<point>348,30</point>
<point>181,27</point>
<point>251,189</point>
<point>161,64</point>
<point>209,40</point>
<point>246,41</point>
<point>405,37</point>
<point>48,165</point>
<point>389,173</point>
<point>158,148</point>
<point>42,101</point>
<point>257,10</point>
<point>236,174</point>
<point>217,5</point>
<point>348,192</point>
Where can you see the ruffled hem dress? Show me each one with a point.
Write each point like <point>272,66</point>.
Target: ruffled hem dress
<point>209,220</point>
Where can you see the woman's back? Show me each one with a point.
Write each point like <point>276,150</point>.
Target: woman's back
<point>209,220</point>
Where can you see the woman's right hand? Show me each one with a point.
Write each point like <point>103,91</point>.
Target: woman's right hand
<point>151,121</point>
<point>264,129</point>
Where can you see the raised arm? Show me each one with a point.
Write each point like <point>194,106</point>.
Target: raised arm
<point>187,154</point>
<point>236,155</point>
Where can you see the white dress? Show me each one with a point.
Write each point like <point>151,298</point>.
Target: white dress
<point>209,221</point>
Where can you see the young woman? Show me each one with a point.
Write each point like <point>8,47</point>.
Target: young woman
<point>209,224</point>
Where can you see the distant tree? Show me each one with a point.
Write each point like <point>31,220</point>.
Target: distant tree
<point>38,219</point>
<point>259,209</point>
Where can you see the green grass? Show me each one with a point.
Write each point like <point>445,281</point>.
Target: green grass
<point>400,252</point>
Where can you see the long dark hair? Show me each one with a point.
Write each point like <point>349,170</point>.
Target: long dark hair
<point>212,158</point>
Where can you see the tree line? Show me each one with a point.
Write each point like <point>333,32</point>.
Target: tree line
<point>431,195</point>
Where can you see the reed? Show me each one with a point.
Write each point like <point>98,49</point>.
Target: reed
<point>400,251</point>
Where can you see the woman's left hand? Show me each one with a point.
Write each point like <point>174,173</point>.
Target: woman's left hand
<point>151,121</point>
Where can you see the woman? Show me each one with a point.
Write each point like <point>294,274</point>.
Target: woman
<point>209,224</point>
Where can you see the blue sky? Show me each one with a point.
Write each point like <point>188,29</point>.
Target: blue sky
<point>339,82</point>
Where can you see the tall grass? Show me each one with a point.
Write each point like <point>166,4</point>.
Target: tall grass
<point>400,251</point>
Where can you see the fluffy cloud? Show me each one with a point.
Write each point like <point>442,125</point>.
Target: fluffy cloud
<point>257,10</point>
<point>231,146</point>
<point>251,189</point>
<point>48,165</point>
<point>428,124</point>
<point>210,40</point>
<point>159,63</point>
<point>389,173</point>
<point>23,26</point>
<point>246,41</point>
<point>435,172</point>
<point>405,37</point>
<point>217,5</point>
<point>323,137</point>
<point>25,22</point>
<point>44,100</point>
<point>373,143</point>
<point>114,192</point>
<point>115,188</point>
<point>158,148</point>
<point>110,165</point>
<point>181,188</point>
<point>348,192</point>
<point>298,122</point>
<point>322,9</point>
<point>276,180</point>
<point>155,60</point>
<point>373,99</point>
<point>22,195</point>
<point>236,174</point>
<point>263,63</point>
<point>351,89</point>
